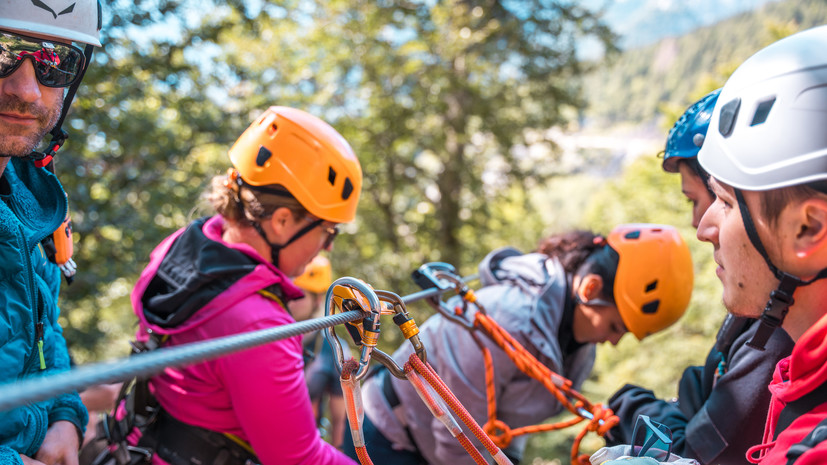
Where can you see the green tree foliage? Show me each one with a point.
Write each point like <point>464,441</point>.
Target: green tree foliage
<point>447,105</point>
<point>440,101</point>
<point>633,88</point>
<point>144,138</point>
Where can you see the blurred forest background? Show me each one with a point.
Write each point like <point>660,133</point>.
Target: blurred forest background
<point>477,122</point>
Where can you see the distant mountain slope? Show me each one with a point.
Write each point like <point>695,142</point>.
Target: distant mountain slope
<point>643,22</point>
<point>632,89</point>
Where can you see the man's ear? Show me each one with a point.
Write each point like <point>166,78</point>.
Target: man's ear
<point>810,228</point>
<point>590,287</point>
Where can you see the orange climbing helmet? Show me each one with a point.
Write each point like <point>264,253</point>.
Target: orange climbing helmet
<point>317,276</point>
<point>306,156</point>
<point>654,276</point>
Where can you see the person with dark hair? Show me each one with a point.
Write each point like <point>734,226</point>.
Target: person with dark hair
<point>577,290</point>
<point>721,405</point>
<point>766,155</point>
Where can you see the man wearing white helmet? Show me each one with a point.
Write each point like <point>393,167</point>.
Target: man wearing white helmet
<point>766,151</point>
<point>40,70</point>
<point>766,154</point>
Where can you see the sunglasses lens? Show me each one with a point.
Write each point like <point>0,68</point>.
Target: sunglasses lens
<point>331,235</point>
<point>56,65</point>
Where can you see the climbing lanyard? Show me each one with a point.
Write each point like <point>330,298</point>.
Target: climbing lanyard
<point>600,419</point>
<point>348,294</point>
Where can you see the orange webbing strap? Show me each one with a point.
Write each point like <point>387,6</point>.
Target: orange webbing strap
<point>602,419</point>
<point>351,389</point>
<point>495,429</point>
<point>439,386</point>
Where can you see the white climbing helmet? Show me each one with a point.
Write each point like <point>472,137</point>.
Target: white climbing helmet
<point>70,20</point>
<point>769,127</point>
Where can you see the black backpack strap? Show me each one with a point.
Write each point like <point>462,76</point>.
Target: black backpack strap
<point>816,436</point>
<point>799,407</point>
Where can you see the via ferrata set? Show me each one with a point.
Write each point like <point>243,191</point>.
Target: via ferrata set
<point>350,294</point>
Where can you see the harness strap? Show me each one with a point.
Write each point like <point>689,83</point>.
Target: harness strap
<point>176,442</point>
<point>814,438</point>
<point>180,443</point>
<point>272,295</point>
<point>799,407</point>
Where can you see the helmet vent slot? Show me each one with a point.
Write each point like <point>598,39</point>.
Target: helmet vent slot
<point>632,235</point>
<point>347,189</point>
<point>331,175</point>
<point>264,154</point>
<point>762,112</point>
<point>729,113</point>
<point>651,307</point>
<point>652,286</point>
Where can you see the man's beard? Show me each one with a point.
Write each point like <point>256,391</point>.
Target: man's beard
<point>47,118</point>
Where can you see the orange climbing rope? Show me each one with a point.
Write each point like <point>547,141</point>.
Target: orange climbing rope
<point>354,293</point>
<point>427,372</point>
<point>437,408</point>
<point>353,408</point>
<point>601,421</point>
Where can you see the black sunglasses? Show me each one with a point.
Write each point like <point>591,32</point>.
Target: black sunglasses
<point>332,232</point>
<point>55,64</point>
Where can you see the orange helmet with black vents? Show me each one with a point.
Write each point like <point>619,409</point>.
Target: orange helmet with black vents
<point>304,155</point>
<point>654,277</point>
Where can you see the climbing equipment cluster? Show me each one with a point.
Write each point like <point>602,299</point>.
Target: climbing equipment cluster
<point>132,432</point>
<point>348,294</point>
<point>599,419</point>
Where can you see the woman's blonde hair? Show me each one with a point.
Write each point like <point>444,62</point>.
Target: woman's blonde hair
<point>243,205</point>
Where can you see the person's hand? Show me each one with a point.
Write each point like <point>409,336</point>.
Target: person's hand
<point>60,446</point>
<point>29,461</point>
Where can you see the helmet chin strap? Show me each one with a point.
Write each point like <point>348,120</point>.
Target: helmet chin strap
<point>781,299</point>
<point>59,136</point>
<point>276,248</point>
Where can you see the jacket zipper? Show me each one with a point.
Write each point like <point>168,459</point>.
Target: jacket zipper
<point>37,305</point>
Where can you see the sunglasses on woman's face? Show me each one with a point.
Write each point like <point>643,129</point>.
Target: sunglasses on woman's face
<point>55,64</point>
<point>332,232</point>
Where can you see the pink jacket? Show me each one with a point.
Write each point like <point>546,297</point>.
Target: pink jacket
<point>258,394</point>
<point>795,376</point>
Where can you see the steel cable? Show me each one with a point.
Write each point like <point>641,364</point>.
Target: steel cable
<point>38,388</point>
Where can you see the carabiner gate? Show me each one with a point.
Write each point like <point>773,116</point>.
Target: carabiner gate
<point>349,294</point>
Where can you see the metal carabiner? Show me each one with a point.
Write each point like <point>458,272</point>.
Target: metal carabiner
<point>466,293</point>
<point>439,275</point>
<point>409,330</point>
<point>354,294</point>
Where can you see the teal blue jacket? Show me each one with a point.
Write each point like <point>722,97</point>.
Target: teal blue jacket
<point>33,206</point>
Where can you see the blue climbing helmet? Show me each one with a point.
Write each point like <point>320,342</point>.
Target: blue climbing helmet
<point>687,135</point>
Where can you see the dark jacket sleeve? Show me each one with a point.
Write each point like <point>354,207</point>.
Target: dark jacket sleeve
<point>717,418</point>
<point>630,402</point>
<point>733,416</point>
